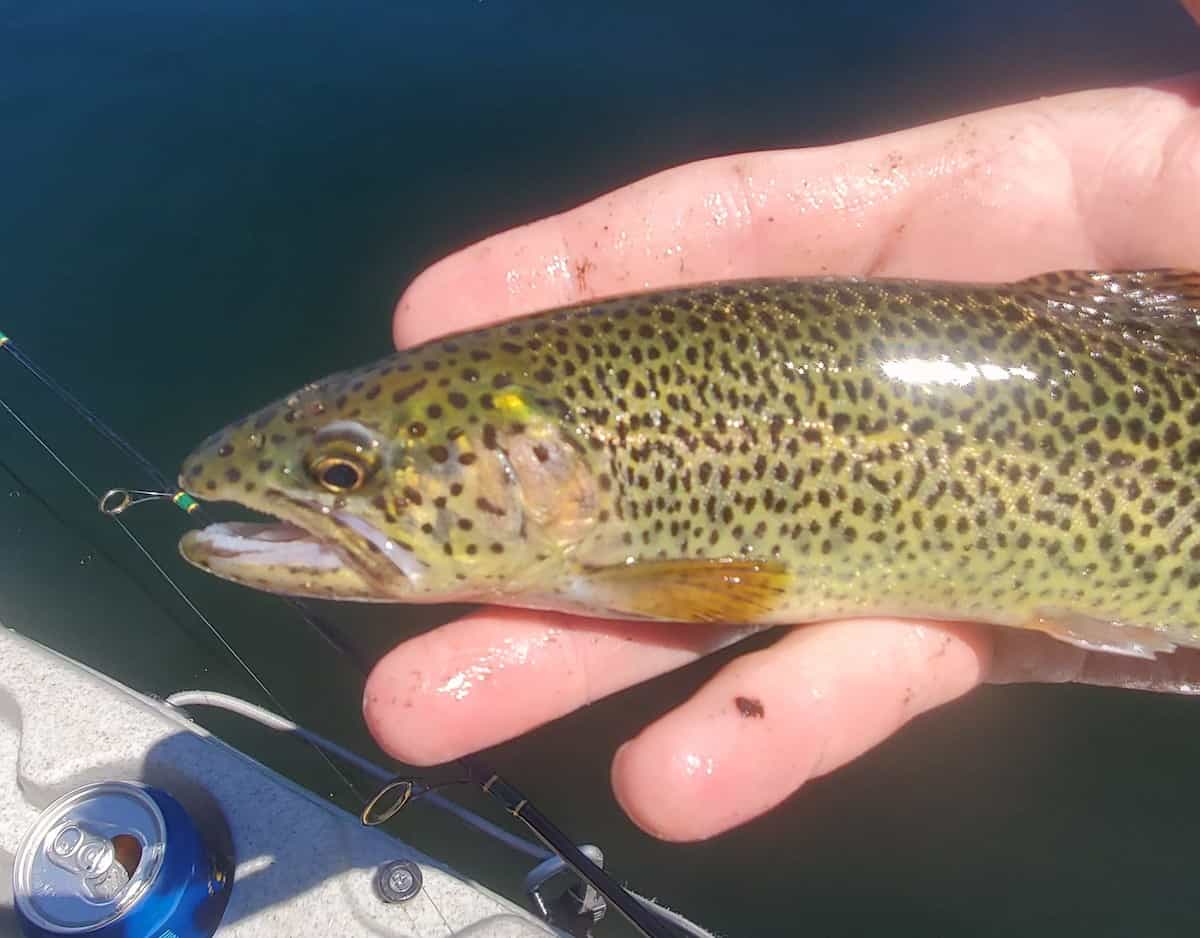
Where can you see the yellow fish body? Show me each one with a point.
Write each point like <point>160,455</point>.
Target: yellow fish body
<point>757,452</point>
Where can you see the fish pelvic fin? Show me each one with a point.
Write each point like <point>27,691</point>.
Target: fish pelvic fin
<point>1023,657</point>
<point>731,592</point>
<point>1109,637</point>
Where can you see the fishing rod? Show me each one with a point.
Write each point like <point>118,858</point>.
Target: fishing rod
<point>116,501</point>
<point>115,506</point>
<point>649,923</point>
<point>641,914</point>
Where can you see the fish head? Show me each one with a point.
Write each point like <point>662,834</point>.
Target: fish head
<point>392,486</point>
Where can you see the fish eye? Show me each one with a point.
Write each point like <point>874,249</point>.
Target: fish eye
<point>345,455</point>
<point>339,474</point>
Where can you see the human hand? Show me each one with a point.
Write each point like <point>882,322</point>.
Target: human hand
<point>1101,179</point>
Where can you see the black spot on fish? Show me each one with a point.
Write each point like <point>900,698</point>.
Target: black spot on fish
<point>408,391</point>
<point>492,509</point>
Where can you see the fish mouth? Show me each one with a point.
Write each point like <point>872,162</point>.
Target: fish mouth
<point>281,543</point>
<point>310,550</point>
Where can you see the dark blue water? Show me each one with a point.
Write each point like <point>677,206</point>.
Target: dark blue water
<point>203,205</point>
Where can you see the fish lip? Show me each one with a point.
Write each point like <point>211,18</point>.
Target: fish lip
<point>293,522</point>
<point>253,543</point>
<point>281,532</point>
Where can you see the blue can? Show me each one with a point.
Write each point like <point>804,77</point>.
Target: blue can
<point>118,860</point>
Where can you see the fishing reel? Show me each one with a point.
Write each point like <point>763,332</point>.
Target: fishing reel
<point>578,907</point>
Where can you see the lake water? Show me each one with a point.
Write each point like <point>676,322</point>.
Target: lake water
<point>203,205</point>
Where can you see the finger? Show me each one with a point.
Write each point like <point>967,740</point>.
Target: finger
<point>498,673</point>
<point>1096,178</point>
<point>772,720</point>
<point>1193,7</point>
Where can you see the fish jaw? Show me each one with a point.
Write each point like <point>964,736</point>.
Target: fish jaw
<point>278,558</point>
<point>314,550</point>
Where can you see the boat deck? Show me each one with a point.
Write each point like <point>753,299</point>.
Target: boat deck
<point>303,867</point>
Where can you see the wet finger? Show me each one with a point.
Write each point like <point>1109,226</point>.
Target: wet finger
<point>771,720</point>
<point>498,673</point>
<point>1079,180</point>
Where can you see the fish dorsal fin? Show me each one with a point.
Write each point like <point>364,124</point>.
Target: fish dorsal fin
<point>1158,309</point>
<point>730,592</point>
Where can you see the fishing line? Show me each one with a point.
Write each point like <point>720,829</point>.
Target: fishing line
<point>87,415</point>
<point>178,497</point>
<point>111,435</point>
<point>46,446</point>
<point>145,553</point>
<point>646,917</point>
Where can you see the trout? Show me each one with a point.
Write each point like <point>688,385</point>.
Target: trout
<point>755,453</point>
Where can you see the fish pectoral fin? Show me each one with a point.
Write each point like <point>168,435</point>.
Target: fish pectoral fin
<point>734,592</point>
<point>1110,637</point>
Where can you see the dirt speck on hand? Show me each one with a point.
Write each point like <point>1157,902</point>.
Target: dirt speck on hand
<point>750,707</point>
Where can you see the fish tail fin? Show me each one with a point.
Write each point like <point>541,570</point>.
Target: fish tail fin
<point>1166,292</point>
<point>1158,308</point>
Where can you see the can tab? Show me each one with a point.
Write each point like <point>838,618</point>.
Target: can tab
<point>91,858</point>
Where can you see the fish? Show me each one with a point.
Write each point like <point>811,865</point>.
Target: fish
<point>756,452</point>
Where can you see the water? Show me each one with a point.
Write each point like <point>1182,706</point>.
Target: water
<point>205,205</point>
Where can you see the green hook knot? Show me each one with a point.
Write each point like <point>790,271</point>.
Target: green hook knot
<point>186,502</point>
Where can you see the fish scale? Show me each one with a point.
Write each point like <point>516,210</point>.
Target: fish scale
<point>759,452</point>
